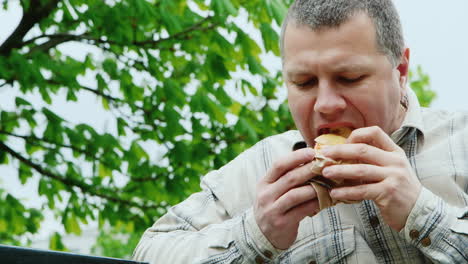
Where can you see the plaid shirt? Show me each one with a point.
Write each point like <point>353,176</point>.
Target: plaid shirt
<point>217,224</point>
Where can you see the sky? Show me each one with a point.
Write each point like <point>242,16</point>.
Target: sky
<point>435,32</point>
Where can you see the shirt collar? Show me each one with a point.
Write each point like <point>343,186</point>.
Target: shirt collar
<point>413,119</point>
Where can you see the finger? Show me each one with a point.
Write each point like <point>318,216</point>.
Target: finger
<point>289,162</point>
<point>373,136</point>
<point>292,179</point>
<point>357,193</point>
<point>363,173</point>
<point>309,208</point>
<point>295,197</point>
<point>361,153</point>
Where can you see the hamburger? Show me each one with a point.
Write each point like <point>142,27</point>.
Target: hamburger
<point>322,185</point>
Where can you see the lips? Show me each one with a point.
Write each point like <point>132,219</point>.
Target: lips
<point>331,128</point>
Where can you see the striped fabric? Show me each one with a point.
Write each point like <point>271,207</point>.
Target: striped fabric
<point>217,224</point>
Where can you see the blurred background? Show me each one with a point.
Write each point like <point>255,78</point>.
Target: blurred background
<point>111,111</point>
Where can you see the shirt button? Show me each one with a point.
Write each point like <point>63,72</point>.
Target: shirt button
<point>268,254</point>
<point>374,221</point>
<point>414,234</point>
<point>426,242</point>
<point>259,260</point>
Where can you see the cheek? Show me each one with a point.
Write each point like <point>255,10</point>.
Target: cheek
<point>377,105</point>
<point>301,108</point>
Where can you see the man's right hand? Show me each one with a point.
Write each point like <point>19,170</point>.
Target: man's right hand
<point>284,198</point>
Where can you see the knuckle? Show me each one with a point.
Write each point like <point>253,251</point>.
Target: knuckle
<point>295,197</point>
<point>278,223</point>
<point>277,166</point>
<point>291,179</point>
<point>392,187</point>
<point>374,129</point>
<point>401,161</point>
<point>262,199</point>
<point>362,150</point>
<point>401,151</point>
<point>364,192</point>
<point>361,170</point>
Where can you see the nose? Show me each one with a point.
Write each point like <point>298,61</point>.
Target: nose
<point>329,101</point>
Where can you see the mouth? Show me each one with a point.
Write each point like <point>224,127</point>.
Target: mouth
<point>333,128</point>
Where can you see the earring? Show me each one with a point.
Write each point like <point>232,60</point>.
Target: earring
<point>404,102</point>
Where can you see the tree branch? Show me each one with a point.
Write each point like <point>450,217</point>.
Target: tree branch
<point>99,93</point>
<point>33,140</point>
<point>85,188</point>
<point>45,47</point>
<point>55,39</point>
<point>36,12</point>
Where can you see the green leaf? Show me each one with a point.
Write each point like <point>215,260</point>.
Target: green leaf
<point>279,11</point>
<point>270,39</point>
<point>105,104</point>
<point>246,128</point>
<point>3,157</point>
<point>71,225</point>
<point>43,187</point>
<point>71,96</point>
<point>24,173</point>
<point>235,108</point>
<point>216,112</point>
<point>110,67</point>
<point>216,65</point>
<point>254,66</point>
<point>55,242</point>
<point>174,92</point>
<point>21,102</point>
<point>121,124</point>
<point>169,20</point>
<point>104,171</point>
<point>227,5</point>
<point>3,225</point>
<point>101,83</point>
<point>250,87</point>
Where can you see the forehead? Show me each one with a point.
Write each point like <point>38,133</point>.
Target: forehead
<point>349,45</point>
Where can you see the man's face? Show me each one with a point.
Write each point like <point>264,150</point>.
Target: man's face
<point>337,77</point>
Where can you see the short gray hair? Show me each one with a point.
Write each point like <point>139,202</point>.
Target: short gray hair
<point>332,13</point>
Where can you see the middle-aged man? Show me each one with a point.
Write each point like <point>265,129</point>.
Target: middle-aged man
<point>345,64</point>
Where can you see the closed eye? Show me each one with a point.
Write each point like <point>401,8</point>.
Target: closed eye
<point>348,80</point>
<point>308,83</point>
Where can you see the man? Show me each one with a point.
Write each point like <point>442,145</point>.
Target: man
<point>345,65</point>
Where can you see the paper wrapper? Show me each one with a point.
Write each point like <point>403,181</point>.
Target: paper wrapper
<point>323,193</point>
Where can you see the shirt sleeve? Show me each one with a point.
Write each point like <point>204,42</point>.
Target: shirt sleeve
<point>202,229</point>
<point>437,229</point>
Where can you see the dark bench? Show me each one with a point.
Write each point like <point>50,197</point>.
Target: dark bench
<point>23,255</point>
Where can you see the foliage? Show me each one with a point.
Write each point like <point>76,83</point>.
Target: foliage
<point>420,83</point>
<point>167,72</point>
<point>164,70</point>
<point>118,243</point>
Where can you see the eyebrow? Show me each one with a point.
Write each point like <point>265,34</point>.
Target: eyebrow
<point>352,67</point>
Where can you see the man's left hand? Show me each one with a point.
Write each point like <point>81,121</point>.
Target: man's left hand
<point>383,170</point>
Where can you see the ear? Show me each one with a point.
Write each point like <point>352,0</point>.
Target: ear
<point>403,68</point>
